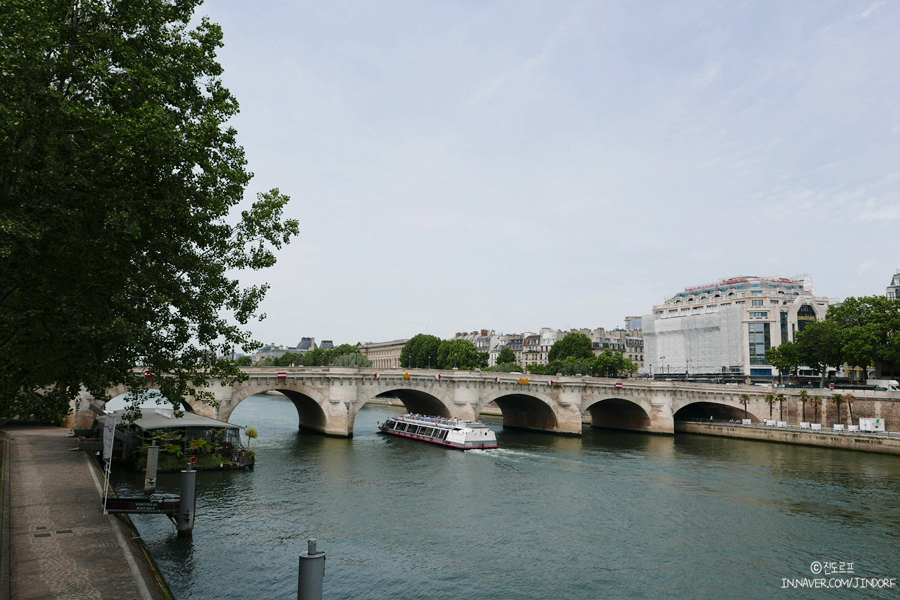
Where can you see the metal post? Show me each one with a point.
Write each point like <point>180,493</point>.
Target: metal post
<point>312,572</point>
<point>152,463</point>
<point>185,520</point>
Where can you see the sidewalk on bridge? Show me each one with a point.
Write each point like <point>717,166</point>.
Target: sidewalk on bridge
<point>55,540</point>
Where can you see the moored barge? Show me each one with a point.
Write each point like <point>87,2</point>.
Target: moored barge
<point>455,433</point>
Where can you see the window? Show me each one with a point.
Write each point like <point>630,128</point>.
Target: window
<point>757,303</point>
<point>760,341</point>
<point>759,315</point>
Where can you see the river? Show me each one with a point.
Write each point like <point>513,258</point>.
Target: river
<point>607,515</point>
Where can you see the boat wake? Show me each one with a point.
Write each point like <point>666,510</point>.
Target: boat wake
<point>514,455</point>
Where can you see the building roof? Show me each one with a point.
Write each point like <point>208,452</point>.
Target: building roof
<point>164,418</point>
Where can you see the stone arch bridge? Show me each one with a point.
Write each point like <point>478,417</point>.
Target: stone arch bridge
<point>328,398</point>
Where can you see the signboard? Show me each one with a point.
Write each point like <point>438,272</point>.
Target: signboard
<point>167,505</point>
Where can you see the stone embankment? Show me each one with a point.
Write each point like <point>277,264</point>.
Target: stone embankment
<point>883,442</point>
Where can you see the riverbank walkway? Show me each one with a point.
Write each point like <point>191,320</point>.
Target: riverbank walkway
<point>55,541</point>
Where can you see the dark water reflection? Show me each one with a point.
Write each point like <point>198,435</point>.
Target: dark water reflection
<point>607,515</point>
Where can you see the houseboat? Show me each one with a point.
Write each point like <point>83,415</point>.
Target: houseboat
<point>455,433</point>
<point>206,443</point>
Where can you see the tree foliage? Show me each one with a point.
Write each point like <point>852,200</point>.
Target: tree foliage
<point>420,352</point>
<point>786,357</point>
<point>576,345</point>
<point>869,330</point>
<point>820,346</point>
<point>506,355</point>
<point>350,359</point>
<point>118,182</point>
<point>458,354</point>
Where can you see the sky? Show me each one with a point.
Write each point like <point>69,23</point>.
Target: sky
<point>458,166</point>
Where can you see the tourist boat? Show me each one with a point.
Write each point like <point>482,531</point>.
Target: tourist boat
<point>455,433</point>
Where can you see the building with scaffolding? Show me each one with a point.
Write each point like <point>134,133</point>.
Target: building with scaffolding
<point>722,330</point>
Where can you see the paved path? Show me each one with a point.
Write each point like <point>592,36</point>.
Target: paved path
<point>60,544</point>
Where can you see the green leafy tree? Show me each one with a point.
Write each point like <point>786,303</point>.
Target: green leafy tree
<point>576,366</point>
<point>613,364</point>
<point>506,355</point>
<point>317,357</point>
<point>344,349</point>
<point>573,344</point>
<point>348,359</point>
<point>786,358</point>
<point>288,359</point>
<point>820,347</point>
<point>780,399</point>
<point>458,353</point>
<point>420,352</point>
<point>118,180</point>
<point>745,398</point>
<point>539,369</point>
<point>869,329</point>
<point>243,361</point>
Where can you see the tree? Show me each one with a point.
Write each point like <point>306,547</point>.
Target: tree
<point>575,366</point>
<point>506,355</point>
<point>770,400</point>
<point>785,358</point>
<point>804,398</point>
<point>118,179</point>
<point>816,402</point>
<point>458,353</point>
<point>354,359</point>
<point>611,364</point>
<point>420,352</point>
<point>869,328</point>
<point>243,361</point>
<point>820,347</point>
<point>849,399</point>
<point>837,399</point>
<point>288,359</point>
<point>745,398</point>
<point>317,357</point>
<point>574,344</point>
<point>780,399</point>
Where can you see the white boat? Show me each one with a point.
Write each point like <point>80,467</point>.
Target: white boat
<point>455,433</point>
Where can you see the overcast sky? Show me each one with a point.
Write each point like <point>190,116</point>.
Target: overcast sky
<point>516,165</point>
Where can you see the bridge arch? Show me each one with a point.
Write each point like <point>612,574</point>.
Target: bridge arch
<point>522,410</point>
<point>632,414</point>
<point>719,411</point>
<point>310,403</point>
<point>415,401</point>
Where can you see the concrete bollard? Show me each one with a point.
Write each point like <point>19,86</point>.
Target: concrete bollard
<point>312,573</point>
<point>185,521</point>
<point>152,465</point>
